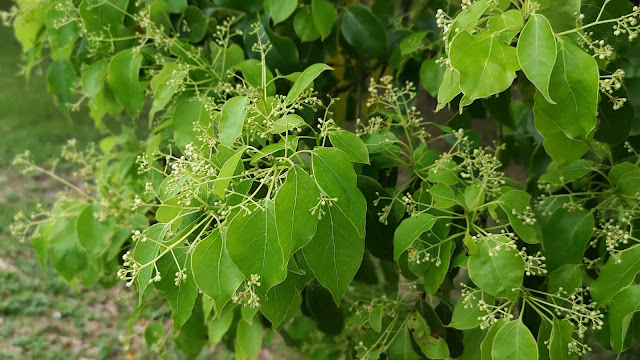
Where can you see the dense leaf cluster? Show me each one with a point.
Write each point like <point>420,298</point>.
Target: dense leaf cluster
<point>228,186</point>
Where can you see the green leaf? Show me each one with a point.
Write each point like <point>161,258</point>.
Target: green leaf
<point>487,343</point>
<point>219,326</point>
<point>324,16</point>
<point>61,77</point>
<point>498,273</point>
<point>507,25</point>
<point>181,296</point>
<point>565,237</point>
<point>305,79</point>
<point>280,10</point>
<point>450,87</point>
<point>432,347</point>
<point>232,119</point>
<point>432,76</point>
<point>516,202</point>
<point>561,14</point>
<point>213,270</point>
<point>295,222</point>
<point>468,315</point>
<point>412,43</point>
<point>192,336</point>
<point>401,348</point>
<point>514,342</point>
<point>363,31</point>
<point>252,72</point>
<point>409,230</point>
<point>487,66</point>
<point>252,242</point>
<point>226,174</point>
<point>468,19</point>
<point>334,173</point>
<point>164,88</point>
<point>94,235</point>
<point>614,125</point>
<point>621,309</point>
<point>282,302</point>
<point>443,195</point>
<point>574,87</point>
<point>123,79</point>
<point>537,53</point>
<point>145,252</point>
<point>562,149</point>
<point>474,196</point>
<point>93,78</point>
<point>66,256</point>
<point>196,23</point>
<point>249,338</point>
<point>561,337</point>
<point>375,318</point>
<point>351,144</point>
<point>615,275</point>
<point>28,22</point>
<point>187,113</point>
<point>567,277</point>
<point>304,26</point>
<point>61,31</point>
<point>287,123</point>
<point>335,251</point>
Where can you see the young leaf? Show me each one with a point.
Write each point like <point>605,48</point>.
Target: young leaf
<point>443,195</point>
<point>287,123</point>
<point>537,53</point>
<point>621,309</point>
<point>616,274</point>
<point>213,270</point>
<point>351,144</point>
<point>280,9</point>
<point>219,326</point>
<point>123,79</point>
<point>409,230</point>
<point>181,296</point>
<point>324,16</point>
<point>295,222</point>
<point>514,342</point>
<point>305,79</point>
<point>449,88</point>
<point>252,242</point>
<point>232,119</point>
<point>226,174</point>
<point>432,347</point>
<point>497,273</point>
<point>487,66</point>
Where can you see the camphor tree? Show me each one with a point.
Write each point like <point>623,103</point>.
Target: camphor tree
<point>227,185</point>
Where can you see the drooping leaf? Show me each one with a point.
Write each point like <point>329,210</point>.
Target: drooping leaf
<point>124,81</point>
<point>249,338</point>
<point>565,237</point>
<point>409,230</point>
<point>213,270</point>
<point>282,302</point>
<point>363,31</point>
<point>305,79</point>
<point>616,274</point>
<point>622,307</point>
<point>181,295</point>
<point>324,16</point>
<point>232,120</point>
<point>280,10</point>
<point>537,53</point>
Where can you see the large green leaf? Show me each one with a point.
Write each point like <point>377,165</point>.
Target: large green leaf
<point>565,237</point>
<point>295,222</point>
<point>94,235</point>
<point>449,88</point>
<point>621,309</point>
<point>487,66</point>
<point>615,275</point>
<point>351,144</point>
<point>213,270</point>
<point>249,339</point>
<point>574,88</point>
<point>334,173</point>
<point>432,347</point>
<point>498,273</point>
<point>335,252</point>
<point>252,242</point>
<point>514,341</point>
<point>304,26</point>
<point>561,337</point>
<point>537,53</point>
<point>282,302</point>
<point>226,174</point>
<point>468,316</point>
<point>517,201</point>
<point>562,149</point>
<point>363,31</point>
<point>181,295</point>
<point>487,343</point>
<point>65,253</point>
<point>61,77</point>
<point>123,79</point>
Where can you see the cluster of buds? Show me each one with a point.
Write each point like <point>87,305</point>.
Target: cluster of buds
<point>323,200</point>
<point>443,21</point>
<point>628,25</point>
<point>385,94</point>
<point>130,269</point>
<point>373,125</point>
<point>533,264</point>
<point>249,297</point>
<point>616,234</point>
